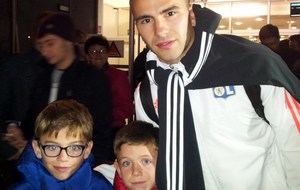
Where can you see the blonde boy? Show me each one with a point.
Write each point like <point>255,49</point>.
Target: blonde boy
<point>136,147</point>
<point>60,158</point>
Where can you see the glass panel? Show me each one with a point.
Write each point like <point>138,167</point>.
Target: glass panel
<point>249,15</point>
<point>280,16</point>
<point>224,10</point>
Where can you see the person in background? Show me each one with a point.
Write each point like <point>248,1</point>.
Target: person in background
<point>18,74</point>
<point>269,36</point>
<point>59,155</point>
<point>210,135</point>
<point>284,43</point>
<point>97,51</point>
<point>80,38</point>
<point>295,42</point>
<point>64,76</point>
<point>136,147</point>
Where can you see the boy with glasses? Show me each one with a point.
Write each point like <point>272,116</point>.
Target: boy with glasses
<point>60,156</point>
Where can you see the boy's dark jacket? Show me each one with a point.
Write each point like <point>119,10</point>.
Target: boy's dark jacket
<point>35,175</point>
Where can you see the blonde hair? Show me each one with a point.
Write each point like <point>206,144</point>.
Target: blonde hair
<point>62,114</point>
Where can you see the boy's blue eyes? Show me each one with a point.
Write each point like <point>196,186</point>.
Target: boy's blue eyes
<point>71,147</point>
<point>126,163</point>
<point>144,162</point>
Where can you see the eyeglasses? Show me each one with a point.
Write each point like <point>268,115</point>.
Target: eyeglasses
<point>97,52</point>
<point>55,150</point>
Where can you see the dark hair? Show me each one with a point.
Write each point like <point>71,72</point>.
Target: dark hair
<point>268,31</point>
<point>295,37</point>
<point>136,132</point>
<point>96,40</point>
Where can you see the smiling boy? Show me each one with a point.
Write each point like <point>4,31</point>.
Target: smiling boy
<point>60,156</point>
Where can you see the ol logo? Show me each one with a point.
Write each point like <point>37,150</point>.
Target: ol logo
<point>223,91</point>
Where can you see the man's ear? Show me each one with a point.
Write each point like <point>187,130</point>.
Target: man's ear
<point>88,149</point>
<point>192,16</point>
<point>36,148</point>
<point>116,165</point>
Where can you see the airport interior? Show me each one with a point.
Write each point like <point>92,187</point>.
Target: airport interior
<point>112,19</point>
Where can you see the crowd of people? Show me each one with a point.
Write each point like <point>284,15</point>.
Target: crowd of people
<point>228,118</point>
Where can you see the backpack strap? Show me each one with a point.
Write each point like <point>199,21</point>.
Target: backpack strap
<point>146,99</point>
<point>253,92</point>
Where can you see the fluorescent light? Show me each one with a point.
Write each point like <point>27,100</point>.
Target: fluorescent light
<point>238,23</point>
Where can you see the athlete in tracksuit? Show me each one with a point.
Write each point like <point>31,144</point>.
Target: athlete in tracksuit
<point>210,135</point>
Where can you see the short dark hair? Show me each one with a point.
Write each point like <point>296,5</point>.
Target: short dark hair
<point>268,31</point>
<point>96,40</point>
<point>295,37</point>
<point>136,133</point>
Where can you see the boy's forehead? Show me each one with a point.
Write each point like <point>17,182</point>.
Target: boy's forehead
<point>63,135</point>
<point>129,149</point>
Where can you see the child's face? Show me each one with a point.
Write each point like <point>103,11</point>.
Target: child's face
<point>136,166</point>
<point>62,166</point>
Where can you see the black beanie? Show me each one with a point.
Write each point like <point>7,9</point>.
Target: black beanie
<point>59,24</point>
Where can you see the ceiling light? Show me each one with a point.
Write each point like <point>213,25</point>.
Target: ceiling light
<point>290,22</point>
<point>238,23</point>
<point>259,19</point>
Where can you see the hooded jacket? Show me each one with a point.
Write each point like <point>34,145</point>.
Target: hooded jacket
<point>210,135</point>
<point>36,177</point>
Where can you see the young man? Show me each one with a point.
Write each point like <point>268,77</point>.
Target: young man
<point>136,147</point>
<point>60,154</point>
<point>211,136</point>
<point>64,76</point>
<point>97,51</point>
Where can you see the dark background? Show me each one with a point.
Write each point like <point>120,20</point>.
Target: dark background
<point>83,12</point>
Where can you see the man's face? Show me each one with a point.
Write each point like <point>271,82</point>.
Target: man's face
<point>271,42</point>
<point>62,166</point>
<point>97,55</point>
<point>55,50</point>
<point>165,26</point>
<point>136,166</point>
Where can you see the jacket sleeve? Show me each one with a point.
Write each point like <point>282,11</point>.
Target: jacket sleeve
<point>122,99</point>
<point>283,112</point>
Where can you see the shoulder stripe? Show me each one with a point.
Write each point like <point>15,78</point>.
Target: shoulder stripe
<point>294,108</point>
